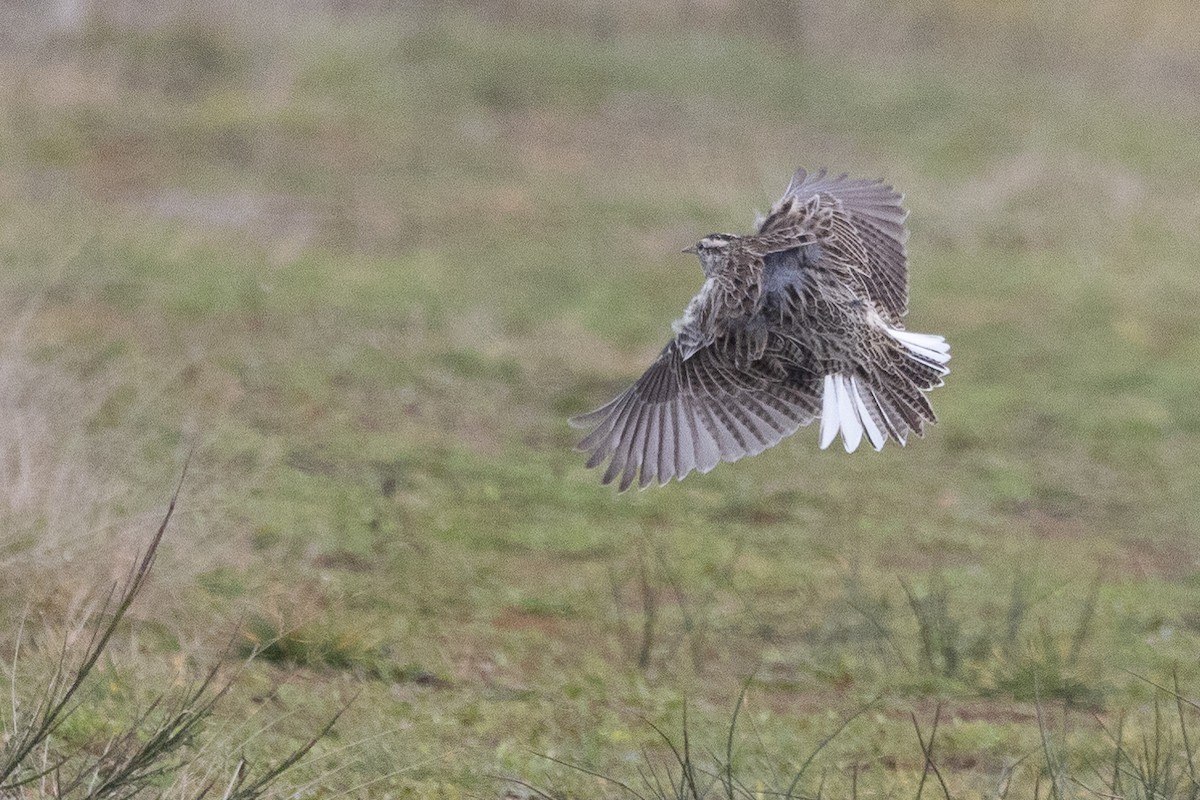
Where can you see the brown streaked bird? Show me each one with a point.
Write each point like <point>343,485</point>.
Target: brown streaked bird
<point>797,321</point>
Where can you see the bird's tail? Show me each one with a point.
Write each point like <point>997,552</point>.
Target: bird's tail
<point>889,400</point>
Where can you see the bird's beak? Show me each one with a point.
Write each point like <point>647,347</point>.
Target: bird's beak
<point>689,250</point>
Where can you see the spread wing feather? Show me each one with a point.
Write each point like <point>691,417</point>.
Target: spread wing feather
<point>690,414</point>
<point>874,209</point>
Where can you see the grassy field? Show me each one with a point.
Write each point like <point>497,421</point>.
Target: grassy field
<point>367,263</point>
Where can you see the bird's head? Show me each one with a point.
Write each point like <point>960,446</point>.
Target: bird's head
<point>712,250</point>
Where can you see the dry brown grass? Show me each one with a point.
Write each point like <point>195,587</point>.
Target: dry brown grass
<point>74,504</point>
<point>58,510</point>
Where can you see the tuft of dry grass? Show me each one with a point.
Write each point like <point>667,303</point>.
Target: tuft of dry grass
<point>43,461</point>
<point>159,750</point>
<point>73,480</point>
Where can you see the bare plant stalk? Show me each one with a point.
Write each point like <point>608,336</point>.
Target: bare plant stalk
<point>927,752</point>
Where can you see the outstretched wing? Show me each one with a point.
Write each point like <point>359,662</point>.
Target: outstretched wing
<point>873,210</point>
<point>689,414</point>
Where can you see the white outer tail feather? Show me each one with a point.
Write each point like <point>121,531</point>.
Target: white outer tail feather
<point>845,400</point>
<point>874,435</point>
<point>829,412</point>
<point>844,409</point>
<point>852,429</point>
<point>926,347</point>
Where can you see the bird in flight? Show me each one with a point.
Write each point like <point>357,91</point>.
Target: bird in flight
<point>797,321</point>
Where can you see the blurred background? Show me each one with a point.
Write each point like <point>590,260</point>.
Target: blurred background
<point>367,256</point>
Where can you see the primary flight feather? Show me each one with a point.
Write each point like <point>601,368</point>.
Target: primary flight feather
<point>797,321</point>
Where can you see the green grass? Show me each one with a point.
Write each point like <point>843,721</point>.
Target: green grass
<point>369,265</point>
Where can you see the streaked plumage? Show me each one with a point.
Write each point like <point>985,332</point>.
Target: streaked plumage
<point>799,320</point>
